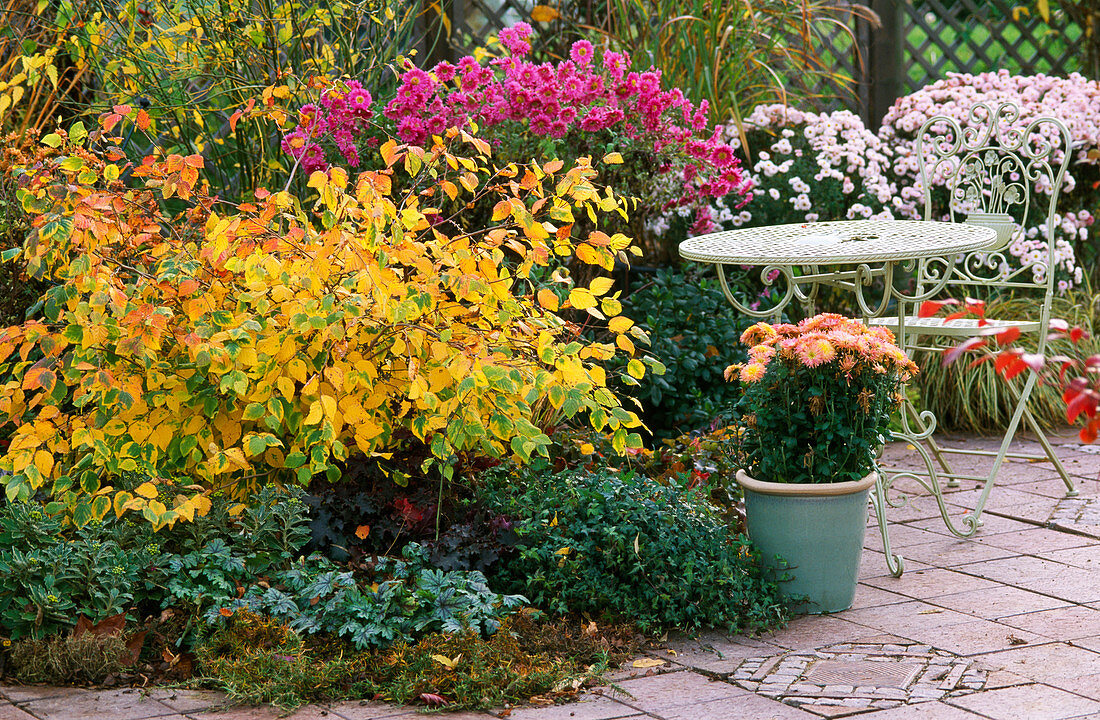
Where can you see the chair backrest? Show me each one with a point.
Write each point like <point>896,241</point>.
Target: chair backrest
<point>995,172</point>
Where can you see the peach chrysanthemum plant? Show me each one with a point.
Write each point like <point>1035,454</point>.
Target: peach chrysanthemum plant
<point>816,398</point>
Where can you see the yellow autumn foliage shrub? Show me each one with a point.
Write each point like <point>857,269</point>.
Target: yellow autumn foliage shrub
<point>222,346</point>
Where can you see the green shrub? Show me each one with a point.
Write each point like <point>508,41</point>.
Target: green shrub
<point>49,577</point>
<point>695,333</point>
<point>604,541</point>
<point>256,659</point>
<point>72,659</point>
<point>253,567</point>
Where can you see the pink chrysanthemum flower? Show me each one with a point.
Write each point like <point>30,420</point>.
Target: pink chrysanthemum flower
<point>813,352</point>
<point>752,372</point>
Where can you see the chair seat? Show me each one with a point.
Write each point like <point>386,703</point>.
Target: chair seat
<point>959,327</point>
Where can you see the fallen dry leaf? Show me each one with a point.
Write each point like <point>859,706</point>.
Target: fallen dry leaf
<point>648,662</point>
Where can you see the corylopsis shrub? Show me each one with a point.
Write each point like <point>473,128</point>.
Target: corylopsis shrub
<point>227,346</point>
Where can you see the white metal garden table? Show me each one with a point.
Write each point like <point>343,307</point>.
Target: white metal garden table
<point>799,259</point>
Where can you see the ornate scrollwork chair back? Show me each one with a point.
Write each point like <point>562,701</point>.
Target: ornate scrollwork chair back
<point>997,172</point>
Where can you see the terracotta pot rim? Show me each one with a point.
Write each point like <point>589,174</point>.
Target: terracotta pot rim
<point>806,489</point>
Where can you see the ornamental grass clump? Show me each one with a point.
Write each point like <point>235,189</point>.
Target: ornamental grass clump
<point>817,398</point>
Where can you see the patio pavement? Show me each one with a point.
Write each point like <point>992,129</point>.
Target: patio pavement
<point>1004,626</point>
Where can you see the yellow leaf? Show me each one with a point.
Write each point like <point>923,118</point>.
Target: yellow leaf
<point>186,510</point>
<point>147,490</point>
<point>328,405</point>
<point>44,462</point>
<point>339,176</point>
<point>587,448</point>
<point>1044,9</point>
<point>544,13</point>
<point>318,179</point>
<point>619,324</point>
<point>157,507</point>
<point>202,504</point>
<point>122,499</point>
<point>563,551</point>
<point>316,412</point>
<point>548,299</point>
<point>625,344</point>
<point>581,299</point>
<point>601,285</point>
<point>635,369</point>
<point>286,386</point>
<point>648,663</point>
<point>236,457</point>
<point>613,158</point>
<point>447,662</point>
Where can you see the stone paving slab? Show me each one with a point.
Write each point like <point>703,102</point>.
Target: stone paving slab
<point>1010,617</point>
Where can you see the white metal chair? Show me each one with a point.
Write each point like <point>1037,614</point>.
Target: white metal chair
<point>996,173</point>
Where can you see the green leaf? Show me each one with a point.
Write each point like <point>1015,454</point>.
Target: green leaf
<point>295,459</point>
<point>10,254</point>
<point>82,514</point>
<point>53,140</point>
<point>78,132</point>
<point>254,411</point>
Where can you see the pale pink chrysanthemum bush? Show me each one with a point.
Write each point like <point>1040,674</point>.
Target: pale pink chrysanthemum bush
<point>1075,100</point>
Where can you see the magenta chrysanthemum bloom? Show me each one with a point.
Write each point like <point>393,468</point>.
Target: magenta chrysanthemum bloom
<point>581,52</point>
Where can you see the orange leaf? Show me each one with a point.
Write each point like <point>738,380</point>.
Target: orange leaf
<point>362,532</point>
<point>110,120</point>
<point>142,120</point>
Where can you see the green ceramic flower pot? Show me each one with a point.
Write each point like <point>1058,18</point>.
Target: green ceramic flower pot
<point>817,529</point>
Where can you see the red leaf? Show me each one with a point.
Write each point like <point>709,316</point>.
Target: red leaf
<point>1088,433</point>
<point>1015,369</point>
<point>432,699</point>
<point>1077,334</point>
<point>1082,403</point>
<point>1008,335</point>
<point>1073,388</point>
<point>957,314</point>
<point>928,308</point>
<point>1004,361</point>
<point>950,355</point>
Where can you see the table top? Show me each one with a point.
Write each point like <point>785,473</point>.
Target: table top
<point>838,243</point>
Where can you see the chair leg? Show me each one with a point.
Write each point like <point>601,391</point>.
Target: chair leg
<point>1071,490</point>
<point>1010,433</point>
